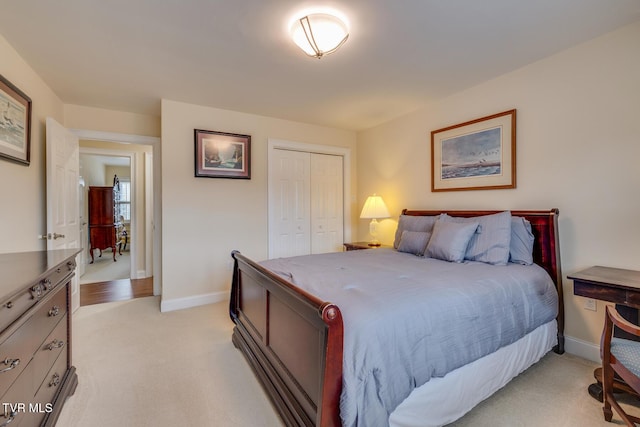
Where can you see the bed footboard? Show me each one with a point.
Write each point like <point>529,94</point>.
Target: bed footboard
<point>293,342</point>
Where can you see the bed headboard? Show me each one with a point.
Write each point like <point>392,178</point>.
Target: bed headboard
<point>546,248</point>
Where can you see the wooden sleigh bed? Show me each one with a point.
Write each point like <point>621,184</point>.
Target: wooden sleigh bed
<point>294,341</point>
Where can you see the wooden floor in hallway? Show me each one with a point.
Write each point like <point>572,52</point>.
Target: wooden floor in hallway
<point>115,290</point>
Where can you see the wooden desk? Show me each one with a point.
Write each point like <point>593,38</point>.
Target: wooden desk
<point>618,286</point>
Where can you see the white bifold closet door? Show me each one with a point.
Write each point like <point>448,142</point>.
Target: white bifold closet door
<point>305,204</point>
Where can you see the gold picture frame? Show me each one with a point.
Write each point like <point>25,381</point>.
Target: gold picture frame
<point>476,155</point>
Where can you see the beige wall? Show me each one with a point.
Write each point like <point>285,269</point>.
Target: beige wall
<point>22,188</point>
<point>99,119</point>
<point>578,123</point>
<point>205,219</point>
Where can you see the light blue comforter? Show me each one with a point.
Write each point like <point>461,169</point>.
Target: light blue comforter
<point>408,319</point>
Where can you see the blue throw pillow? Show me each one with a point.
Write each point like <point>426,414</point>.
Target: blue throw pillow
<point>414,242</point>
<point>413,223</point>
<point>449,240</point>
<point>521,245</point>
<point>491,241</point>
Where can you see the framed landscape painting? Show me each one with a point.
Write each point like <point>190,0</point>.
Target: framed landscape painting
<point>222,155</point>
<point>475,155</point>
<point>15,123</point>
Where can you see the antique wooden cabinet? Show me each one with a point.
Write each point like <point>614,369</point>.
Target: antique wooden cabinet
<point>103,218</point>
<point>36,375</point>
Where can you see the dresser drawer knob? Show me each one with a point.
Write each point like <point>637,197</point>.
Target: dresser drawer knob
<point>9,304</point>
<point>12,363</point>
<point>55,380</point>
<point>55,344</point>
<point>37,290</point>
<point>10,416</point>
<point>55,310</point>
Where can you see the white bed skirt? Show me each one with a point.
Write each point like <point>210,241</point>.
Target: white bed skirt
<point>443,400</point>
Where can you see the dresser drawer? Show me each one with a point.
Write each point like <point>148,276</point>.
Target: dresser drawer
<point>12,308</point>
<point>21,393</point>
<point>59,273</point>
<point>47,354</point>
<point>47,391</point>
<point>17,350</point>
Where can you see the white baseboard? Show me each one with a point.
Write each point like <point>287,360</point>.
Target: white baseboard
<point>141,274</point>
<point>583,349</point>
<point>192,301</point>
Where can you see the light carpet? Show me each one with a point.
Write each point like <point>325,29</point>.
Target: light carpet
<point>104,268</point>
<point>139,367</point>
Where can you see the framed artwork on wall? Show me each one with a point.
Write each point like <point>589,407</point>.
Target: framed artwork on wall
<point>222,155</point>
<point>15,123</point>
<point>475,155</point>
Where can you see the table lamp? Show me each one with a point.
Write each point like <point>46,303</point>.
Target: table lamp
<point>373,209</point>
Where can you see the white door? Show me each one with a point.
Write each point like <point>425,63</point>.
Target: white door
<point>327,213</point>
<point>306,208</point>
<point>63,228</point>
<point>289,207</point>
<point>83,229</point>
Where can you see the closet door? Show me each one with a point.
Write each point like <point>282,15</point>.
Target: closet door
<point>327,226</point>
<point>289,204</point>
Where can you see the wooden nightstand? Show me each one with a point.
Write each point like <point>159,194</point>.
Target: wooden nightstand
<point>616,285</point>
<point>356,246</point>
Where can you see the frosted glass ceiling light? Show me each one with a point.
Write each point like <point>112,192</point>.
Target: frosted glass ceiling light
<point>319,34</point>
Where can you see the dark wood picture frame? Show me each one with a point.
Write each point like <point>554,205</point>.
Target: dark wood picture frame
<point>222,154</point>
<point>476,155</point>
<point>15,123</point>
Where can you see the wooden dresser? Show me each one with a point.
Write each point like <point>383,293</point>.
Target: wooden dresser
<point>36,375</point>
<point>103,219</point>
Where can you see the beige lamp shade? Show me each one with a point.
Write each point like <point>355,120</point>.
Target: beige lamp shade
<point>373,209</point>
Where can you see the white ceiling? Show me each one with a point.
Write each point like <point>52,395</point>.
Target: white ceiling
<point>237,55</point>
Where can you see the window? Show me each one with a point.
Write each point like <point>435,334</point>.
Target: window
<point>125,199</point>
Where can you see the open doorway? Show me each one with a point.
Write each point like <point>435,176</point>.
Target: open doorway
<point>121,271</point>
<point>99,173</point>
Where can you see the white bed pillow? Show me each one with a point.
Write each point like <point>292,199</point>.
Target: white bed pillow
<point>449,240</point>
<point>521,245</point>
<point>414,242</point>
<point>491,241</point>
<point>413,223</point>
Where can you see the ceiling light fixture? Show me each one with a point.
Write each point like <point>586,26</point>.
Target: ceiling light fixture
<point>319,34</point>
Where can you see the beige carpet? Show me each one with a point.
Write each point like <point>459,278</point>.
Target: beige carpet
<point>139,367</point>
<point>104,269</point>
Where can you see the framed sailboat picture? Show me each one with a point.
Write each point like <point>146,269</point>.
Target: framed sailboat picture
<point>475,155</point>
<point>222,155</point>
<point>15,123</point>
